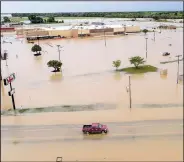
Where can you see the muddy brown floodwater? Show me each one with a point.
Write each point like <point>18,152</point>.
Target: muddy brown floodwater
<point>88,78</point>
<point>87,73</point>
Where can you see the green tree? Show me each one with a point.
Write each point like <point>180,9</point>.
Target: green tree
<point>156,17</point>
<point>38,20</point>
<point>136,61</point>
<point>51,19</point>
<point>55,64</point>
<point>35,19</point>
<point>6,19</point>
<point>145,31</point>
<point>36,48</point>
<point>116,64</point>
<point>31,17</point>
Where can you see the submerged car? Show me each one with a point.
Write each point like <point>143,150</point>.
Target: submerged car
<point>95,128</point>
<point>166,54</point>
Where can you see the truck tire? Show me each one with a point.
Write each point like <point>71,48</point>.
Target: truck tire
<point>104,132</point>
<point>87,133</point>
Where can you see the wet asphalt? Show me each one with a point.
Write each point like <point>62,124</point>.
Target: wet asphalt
<point>165,129</point>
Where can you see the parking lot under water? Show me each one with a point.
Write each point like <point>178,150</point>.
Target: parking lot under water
<point>89,82</point>
<point>88,76</point>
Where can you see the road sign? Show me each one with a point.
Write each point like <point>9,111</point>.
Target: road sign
<point>59,159</point>
<point>10,93</point>
<point>9,79</point>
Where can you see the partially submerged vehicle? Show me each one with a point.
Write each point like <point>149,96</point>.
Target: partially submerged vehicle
<point>166,54</point>
<point>95,128</point>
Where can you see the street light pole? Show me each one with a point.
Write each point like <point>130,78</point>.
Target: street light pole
<point>13,101</point>
<point>146,47</point>
<point>130,97</point>
<point>154,35</point>
<point>104,32</point>
<point>104,37</point>
<point>6,63</point>
<point>59,51</point>
<point>81,31</point>
<point>6,57</point>
<point>124,29</point>
<point>178,68</point>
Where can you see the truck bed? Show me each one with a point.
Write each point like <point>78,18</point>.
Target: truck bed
<point>87,126</point>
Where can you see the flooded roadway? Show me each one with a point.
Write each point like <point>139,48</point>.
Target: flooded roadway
<point>88,78</point>
<point>68,141</point>
<point>68,132</point>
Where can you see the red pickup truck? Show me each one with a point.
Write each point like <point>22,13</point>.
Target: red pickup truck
<point>95,128</point>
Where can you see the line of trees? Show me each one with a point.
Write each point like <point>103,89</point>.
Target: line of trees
<point>38,19</point>
<point>147,14</point>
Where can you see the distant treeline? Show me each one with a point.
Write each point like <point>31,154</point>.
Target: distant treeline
<point>155,15</point>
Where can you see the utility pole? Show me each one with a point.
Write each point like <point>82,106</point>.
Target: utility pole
<point>104,37</point>
<point>154,35</point>
<point>146,47</point>
<point>178,68</point>
<point>6,62</point>
<point>59,51</point>
<point>124,29</point>
<point>13,101</point>
<point>6,57</point>
<point>81,31</point>
<point>129,90</point>
<point>7,81</point>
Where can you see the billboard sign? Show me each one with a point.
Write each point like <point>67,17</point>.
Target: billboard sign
<point>9,79</point>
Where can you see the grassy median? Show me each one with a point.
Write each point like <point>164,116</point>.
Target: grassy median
<point>140,69</point>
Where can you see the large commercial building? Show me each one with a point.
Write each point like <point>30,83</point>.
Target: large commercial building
<point>76,31</point>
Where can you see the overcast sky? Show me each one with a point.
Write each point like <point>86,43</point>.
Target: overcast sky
<point>94,6</point>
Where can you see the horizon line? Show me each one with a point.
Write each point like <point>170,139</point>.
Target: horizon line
<point>95,12</point>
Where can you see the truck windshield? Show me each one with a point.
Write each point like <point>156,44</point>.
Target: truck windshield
<point>99,126</point>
